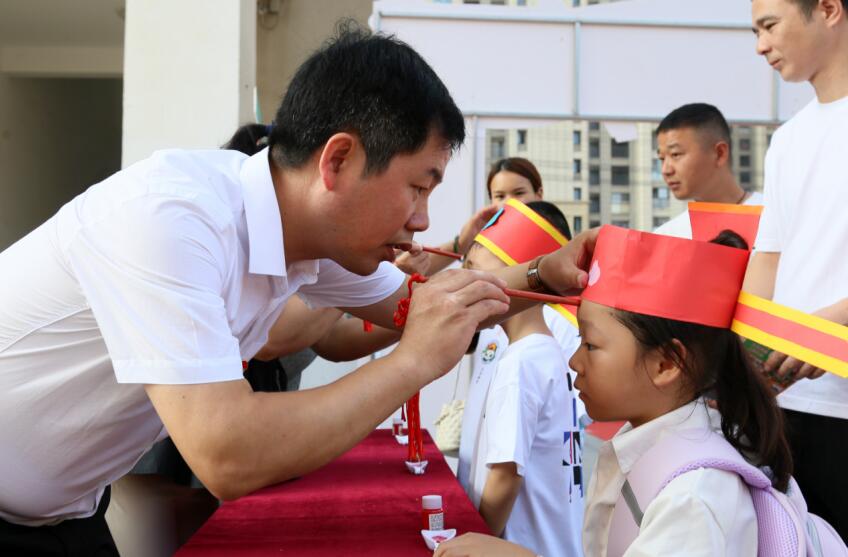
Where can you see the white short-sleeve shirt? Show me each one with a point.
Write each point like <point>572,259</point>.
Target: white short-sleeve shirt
<point>530,419</point>
<point>171,271</point>
<point>701,513</point>
<point>804,219</point>
<point>490,346</point>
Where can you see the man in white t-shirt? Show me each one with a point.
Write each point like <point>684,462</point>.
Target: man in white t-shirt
<point>693,144</point>
<point>802,259</point>
<point>126,316</point>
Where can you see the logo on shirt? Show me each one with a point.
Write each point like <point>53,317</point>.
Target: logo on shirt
<point>490,351</point>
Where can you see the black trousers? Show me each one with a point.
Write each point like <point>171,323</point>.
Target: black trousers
<point>80,537</point>
<point>819,451</point>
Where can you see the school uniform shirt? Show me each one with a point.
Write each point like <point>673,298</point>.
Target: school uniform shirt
<point>804,219</point>
<point>681,227</point>
<point>169,272</point>
<point>702,513</point>
<point>530,419</point>
<point>490,346</point>
<point>568,338</point>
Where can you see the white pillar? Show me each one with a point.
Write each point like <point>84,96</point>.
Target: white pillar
<point>189,73</point>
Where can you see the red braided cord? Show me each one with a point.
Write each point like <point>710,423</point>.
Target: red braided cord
<point>403,304</point>
<point>413,417</point>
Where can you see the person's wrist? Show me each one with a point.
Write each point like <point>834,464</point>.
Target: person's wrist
<point>534,276</point>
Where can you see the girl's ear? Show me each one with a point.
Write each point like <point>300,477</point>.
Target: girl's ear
<point>664,371</point>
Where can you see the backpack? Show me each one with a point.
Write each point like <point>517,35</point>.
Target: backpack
<point>784,527</point>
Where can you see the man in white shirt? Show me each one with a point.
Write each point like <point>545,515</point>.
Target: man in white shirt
<point>693,144</point>
<point>126,316</point>
<point>801,255</point>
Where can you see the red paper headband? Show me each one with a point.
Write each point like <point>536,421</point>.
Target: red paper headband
<point>517,234</point>
<point>668,277</point>
<point>709,219</point>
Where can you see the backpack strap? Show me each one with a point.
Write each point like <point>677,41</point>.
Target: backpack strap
<point>678,453</point>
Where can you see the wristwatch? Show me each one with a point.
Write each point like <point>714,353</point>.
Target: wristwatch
<point>534,279</point>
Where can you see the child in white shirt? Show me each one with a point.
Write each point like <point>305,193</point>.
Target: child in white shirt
<point>524,472</point>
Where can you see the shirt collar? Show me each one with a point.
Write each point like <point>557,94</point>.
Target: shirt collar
<point>262,212</point>
<point>630,444</point>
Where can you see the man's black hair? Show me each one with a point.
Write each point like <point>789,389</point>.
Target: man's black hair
<point>702,117</point>
<point>371,85</point>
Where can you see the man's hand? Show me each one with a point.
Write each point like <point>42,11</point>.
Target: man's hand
<point>473,227</point>
<point>789,368</point>
<point>480,545</point>
<point>444,314</point>
<point>413,260</point>
<point>565,271</point>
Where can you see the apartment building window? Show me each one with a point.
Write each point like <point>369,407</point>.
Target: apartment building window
<point>577,166</point>
<point>575,3</point>
<point>522,139</point>
<point>576,138</point>
<point>594,126</point>
<point>594,203</point>
<point>621,175</point>
<point>659,221</point>
<point>620,202</point>
<point>656,170</point>
<point>497,2</point>
<point>595,148</point>
<point>745,144</point>
<point>578,225</point>
<point>745,161</point>
<point>621,150</point>
<point>745,178</point>
<point>660,198</point>
<point>498,148</point>
<point>594,176</point>
<point>521,3</point>
<point>621,223</point>
<point>578,194</point>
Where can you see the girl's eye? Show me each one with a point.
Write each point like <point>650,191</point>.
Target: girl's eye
<point>589,346</point>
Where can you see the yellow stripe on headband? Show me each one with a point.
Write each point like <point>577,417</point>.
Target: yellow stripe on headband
<point>565,313</point>
<point>540,221</point>
<point>494,248</point>
<point>791,314</point>
<point>817,359</point>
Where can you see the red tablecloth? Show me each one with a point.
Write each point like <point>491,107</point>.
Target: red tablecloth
<point>363,503</point>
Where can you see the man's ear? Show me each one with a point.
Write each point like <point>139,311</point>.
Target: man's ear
<point>722,152</point>
<point>336,158</point>
<point>832,11</point>
<point>663,370</point>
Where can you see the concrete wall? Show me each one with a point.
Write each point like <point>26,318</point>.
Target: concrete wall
<point>285,40</point>
<point>57,137</point>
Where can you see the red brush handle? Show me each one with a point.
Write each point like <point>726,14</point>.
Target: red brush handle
<point>548,298</point>
<point>442,252</point>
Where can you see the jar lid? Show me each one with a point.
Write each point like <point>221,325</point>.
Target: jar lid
<point>431,502</point>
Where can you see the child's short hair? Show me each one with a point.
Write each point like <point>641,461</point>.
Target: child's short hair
<point>553,215</point>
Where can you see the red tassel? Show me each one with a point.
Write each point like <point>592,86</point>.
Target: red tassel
<point>416,439</point>
<point>367,326</point>
<point>403,304</point>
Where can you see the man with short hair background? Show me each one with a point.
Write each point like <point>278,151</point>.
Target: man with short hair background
<point>693,144</point>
